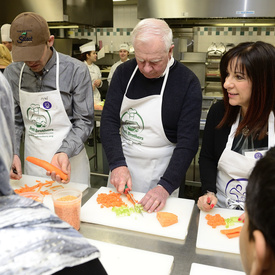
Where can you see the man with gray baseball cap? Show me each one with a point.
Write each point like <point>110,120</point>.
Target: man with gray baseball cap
<point>53,102</point>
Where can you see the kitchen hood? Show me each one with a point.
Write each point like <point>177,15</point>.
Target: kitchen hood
<point>62,12</point>
<point>201,11</point>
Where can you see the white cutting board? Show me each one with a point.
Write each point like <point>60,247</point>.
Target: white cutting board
<point>123,260</point>
<point>32,180</point>
<point>211,238</point>
<point>92,212</point>
<point>199,269</point>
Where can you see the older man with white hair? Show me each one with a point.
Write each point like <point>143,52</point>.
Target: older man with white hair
<point>150,121</point>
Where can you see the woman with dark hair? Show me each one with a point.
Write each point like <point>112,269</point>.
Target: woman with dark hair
<point>240,128</point>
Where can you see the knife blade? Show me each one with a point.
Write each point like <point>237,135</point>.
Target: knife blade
<point>127,191</point>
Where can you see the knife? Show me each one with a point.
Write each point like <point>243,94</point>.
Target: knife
<point>127,191</point>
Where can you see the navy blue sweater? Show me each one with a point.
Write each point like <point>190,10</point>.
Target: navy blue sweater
<point>181,109</point>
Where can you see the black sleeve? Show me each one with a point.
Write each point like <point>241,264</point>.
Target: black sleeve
<point>181,119</point>
<point>213,144</point>
<point>91,267</point>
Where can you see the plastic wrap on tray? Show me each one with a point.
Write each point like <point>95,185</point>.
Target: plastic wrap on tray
<point>33,240</point>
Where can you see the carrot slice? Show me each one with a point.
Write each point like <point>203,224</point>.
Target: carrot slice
<point>47,166</point>
<point>233,235</point>
<point>166,219</point>
<point>232,230</point>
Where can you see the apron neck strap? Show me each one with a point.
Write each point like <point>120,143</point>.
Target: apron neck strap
<point>271,131</point>
<point>163,84</point>
<point>56,78</point>
<point>271,134</point>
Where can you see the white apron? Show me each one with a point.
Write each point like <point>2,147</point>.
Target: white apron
<point>145,145</point>
<point>95,74</point>
<point>234,170</point>
<point>46,125</point>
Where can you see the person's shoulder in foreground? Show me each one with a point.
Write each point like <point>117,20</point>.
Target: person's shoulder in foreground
<point>28,229</point>
<point>257,240</point>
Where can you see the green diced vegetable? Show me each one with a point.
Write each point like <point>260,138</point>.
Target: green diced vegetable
<point>231,221</point>
<point>123,211</point>
<point>138,208</point>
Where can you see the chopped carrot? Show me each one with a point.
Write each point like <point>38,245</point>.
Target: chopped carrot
<point>129,196</point>
<point>47,166</point>
<point>215,220</point>
<point>56,187</point>
<point>37,188</point>
<point>45,192</point>
<point>110,200</point>
<point>166,218</point>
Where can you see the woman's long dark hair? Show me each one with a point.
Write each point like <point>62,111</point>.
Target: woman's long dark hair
<point>258,60</point>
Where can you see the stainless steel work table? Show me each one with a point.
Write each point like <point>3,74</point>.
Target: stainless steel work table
<point>184,252</point>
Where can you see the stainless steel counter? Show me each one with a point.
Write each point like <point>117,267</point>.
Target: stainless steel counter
<point>184,252</point>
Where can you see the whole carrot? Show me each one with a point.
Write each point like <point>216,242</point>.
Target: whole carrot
<point>47,166</point>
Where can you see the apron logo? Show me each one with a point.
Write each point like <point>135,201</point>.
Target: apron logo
<point>236,190</point>
<point>47,105</point>
<point>132,125</point>
<point>258,155</point>
<point>38,116</point>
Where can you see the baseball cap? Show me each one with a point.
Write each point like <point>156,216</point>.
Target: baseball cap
<point>124,47</point>
<point>29,33</point>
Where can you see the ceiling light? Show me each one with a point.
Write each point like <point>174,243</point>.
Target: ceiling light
<point>64,27</point>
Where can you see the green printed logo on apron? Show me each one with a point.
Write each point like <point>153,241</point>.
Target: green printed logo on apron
<point>40,120</point>
<point>132,125</point>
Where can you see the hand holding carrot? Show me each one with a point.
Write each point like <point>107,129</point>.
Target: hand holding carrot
<point>52,169</point>
<point>61,161</point>
<point>207,201</point>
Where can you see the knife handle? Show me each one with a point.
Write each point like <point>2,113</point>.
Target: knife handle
<point>126,189</point>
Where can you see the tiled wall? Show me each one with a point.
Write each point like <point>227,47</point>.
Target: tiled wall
<point>204,36</point>
<point>125,19</point>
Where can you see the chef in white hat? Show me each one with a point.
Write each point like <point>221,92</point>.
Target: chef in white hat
<point>5,36</point>
<point>123,55</point>
<point>88,55</point>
